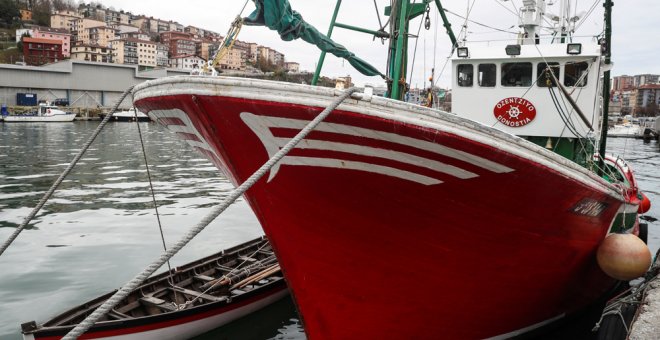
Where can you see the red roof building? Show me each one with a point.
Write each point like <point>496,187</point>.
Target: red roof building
<point>37,51</point>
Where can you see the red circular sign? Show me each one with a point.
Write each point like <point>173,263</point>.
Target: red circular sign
<point>515,112</point>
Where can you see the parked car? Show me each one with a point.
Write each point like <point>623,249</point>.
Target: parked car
<point>61,102</point>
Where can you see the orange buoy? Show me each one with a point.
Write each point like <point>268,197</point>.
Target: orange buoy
<point>645,205</point>
<point>623,256</point>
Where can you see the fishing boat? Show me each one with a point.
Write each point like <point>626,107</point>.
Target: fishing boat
<point>128,116</point>
<point>188,301</point>
<point>45,113</point>
<point>391,220</point>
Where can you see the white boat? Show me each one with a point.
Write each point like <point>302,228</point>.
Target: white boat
<point>626,130</point>
<point>45,113</point>
<point>129,116</point>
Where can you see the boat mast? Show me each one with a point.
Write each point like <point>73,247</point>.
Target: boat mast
<point>398,61</point>
<point>400,46</point>
<point>401,12</point>
<point>606,83</point>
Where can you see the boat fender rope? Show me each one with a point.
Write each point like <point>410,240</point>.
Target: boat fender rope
<point>91,319</point>
<point>65,173</point>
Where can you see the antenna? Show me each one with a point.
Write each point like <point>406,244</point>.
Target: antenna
<point>531,17</point>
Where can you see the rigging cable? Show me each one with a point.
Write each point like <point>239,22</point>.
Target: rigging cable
<point>170,280</point>
<point>480,24</point>
<point>151,187</point>
<point>586,16</point>
<point>412,67</point>
<point>507,8</point>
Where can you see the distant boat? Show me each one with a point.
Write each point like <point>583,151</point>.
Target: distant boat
<point>626,130</point>
<point>128,116</point>
<point>45,113</point>
<point>198,297</point>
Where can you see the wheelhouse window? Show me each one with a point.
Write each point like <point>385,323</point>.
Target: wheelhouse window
<point>487,75</point>
<point>517,74</point>
<point>465,75</point>
<point>544,77</point>
<point>575,74</point>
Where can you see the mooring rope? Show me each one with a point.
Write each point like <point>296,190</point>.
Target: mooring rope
<point>65,173</point>
<point>90,320</point>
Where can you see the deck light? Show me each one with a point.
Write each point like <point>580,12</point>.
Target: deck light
<point>463,52</point>
<point>574,49</point>
<point>512,50</point>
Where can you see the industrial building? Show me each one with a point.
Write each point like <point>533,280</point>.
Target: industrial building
<point>83,84</point>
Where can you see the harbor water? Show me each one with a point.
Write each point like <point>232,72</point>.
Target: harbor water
<point>100,228</point>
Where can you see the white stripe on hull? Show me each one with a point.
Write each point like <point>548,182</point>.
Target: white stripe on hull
<point>276,122</point>
<point>187,128</point>
<point>360,166</point>
<point>261,126</point>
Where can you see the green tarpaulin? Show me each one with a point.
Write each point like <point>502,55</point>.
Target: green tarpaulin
<point>278,15</point>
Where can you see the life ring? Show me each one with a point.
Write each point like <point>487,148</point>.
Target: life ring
<point>48,110</point>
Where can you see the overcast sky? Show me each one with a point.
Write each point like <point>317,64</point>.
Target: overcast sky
<point>635,32</point>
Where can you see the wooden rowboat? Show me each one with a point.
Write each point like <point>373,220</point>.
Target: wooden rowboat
<point>194,299</point>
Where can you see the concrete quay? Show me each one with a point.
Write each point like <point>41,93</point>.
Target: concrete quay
<point>646,324</point>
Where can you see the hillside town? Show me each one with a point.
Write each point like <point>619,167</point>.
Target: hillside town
<point>94,33</point>
<point>637,95</point>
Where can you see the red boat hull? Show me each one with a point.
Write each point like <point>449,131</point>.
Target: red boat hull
<point>390,229</point>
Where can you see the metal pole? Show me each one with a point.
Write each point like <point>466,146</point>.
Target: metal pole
<point>319,65</point>
<point>398,73</point>
<point>606,85</point>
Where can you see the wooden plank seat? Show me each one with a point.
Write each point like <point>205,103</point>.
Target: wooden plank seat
<point>156,302</point>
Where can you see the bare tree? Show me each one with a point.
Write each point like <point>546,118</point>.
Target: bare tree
<point>41,11</point>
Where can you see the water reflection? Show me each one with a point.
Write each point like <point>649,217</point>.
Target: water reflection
<point>100,227</point>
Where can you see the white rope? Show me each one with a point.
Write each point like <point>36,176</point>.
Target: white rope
<point>65,173</point>
<point>90,320</point>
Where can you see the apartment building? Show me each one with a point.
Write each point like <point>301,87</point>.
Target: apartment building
<point>623,83</point>
<point>100,35</point>
<point>647,100</point>
<point>92,11</point>
<point>79,27</point>
<point>202,49</point>
<point>64,20</point>
<point>175,27</point>
<point>292,67</point>
<point>187,62</point>
<point>182,47</point>
<point>254,52</point>
<point>234,59</point>
<point>62,35</point>
<point>39,51</point>
<point>167,36</point>
<point>92,53</point>
<point>162,59</point>
<point>134,34</point>
<point>135,51</point>
<point>644,79</point>
<point>270,55</point>
<point>117,18</point>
